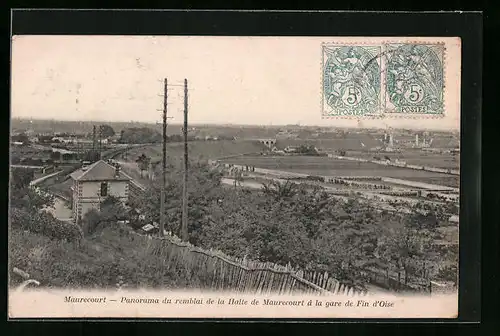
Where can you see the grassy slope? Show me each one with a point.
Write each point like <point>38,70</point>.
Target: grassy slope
<point>97,262</point>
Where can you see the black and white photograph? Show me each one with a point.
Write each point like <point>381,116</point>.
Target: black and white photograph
<point>213,176</point>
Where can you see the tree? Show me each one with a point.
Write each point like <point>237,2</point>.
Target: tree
<point>111,211</point>
<point>22,195</point>
<point>452,208</point>
<point>56,156</point>
<point>238,176</point>
<point>91,155</point>
<point>448,269</point>
<point>28,210</point>
<point>143,163</point>
<point>142,135</point>
<point>289,222</point>
<point>21,138</point>
<point>204,189</point>
<point>409,246</point>
<point>106,131</point>
<point>307,150</point>
<point>91,221</point>
<point>279,190</point>
<point>21,178</point>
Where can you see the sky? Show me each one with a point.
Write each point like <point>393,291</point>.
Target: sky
<point>232,80</point>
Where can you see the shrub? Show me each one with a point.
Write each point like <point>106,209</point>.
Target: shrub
<point>95,263</point>
<point>90,222</point>
<point>44,223</point>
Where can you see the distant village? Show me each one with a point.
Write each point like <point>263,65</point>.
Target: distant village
<point>31,149</point>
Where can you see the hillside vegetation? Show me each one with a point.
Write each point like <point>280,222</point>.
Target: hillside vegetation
<point>62,255</point>
<point>282,223</point>
<point>290,223</point>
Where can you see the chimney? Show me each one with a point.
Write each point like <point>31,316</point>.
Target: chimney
<point>117,170</point>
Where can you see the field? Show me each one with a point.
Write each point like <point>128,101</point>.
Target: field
<point>358,142</point>
<point>354,142</point>
<point>199,150</point>
<point>324,166</point>
<point>443,179</point>
<point>416,157</point>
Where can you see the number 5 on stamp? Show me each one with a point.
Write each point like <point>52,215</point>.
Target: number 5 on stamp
<point>351,80</point>
<point>414,79</point>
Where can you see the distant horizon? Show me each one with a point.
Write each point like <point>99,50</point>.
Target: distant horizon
<point>102,121</point>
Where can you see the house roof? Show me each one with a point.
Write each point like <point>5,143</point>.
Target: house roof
<point>99,171</point>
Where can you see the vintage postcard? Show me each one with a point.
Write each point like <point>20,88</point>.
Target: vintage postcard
<point>234,177</point>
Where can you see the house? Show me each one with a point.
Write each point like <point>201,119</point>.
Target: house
<point>115,138</point>
<point>93,183</point>
<point>62,155</point>
<point>61,139</point>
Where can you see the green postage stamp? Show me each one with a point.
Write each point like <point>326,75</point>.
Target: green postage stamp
<point>389,79</point>
<point>351,80</point>
<point>414,78</point>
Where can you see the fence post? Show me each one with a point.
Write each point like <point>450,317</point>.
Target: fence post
<point>399,279</point>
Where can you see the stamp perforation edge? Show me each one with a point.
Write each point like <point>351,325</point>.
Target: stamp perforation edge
<point>378,115</point>
<point>420,116</point>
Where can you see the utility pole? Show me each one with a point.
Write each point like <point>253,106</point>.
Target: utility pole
<point>164,161</point>
<point>93,138</point>
<point>100,142</point>
<point>184,229</point>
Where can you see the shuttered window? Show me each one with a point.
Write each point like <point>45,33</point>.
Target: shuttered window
<point>104,189</point>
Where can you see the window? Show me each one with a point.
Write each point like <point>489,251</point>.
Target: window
<point>104,189</point>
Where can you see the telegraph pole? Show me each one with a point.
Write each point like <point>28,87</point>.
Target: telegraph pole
<point>100,142</point>
<point>93,138</point>
<point>184,229</point>
<point>164,161</point>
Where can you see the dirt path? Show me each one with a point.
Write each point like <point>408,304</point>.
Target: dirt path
<point>60,210</point>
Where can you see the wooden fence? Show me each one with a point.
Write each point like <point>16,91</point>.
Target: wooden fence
<point>394,282</point>
<point>218,271</point>
<point>222,272</point>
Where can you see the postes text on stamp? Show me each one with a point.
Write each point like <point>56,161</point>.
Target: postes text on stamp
<point>351,80</point>
<point>414,79</point>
